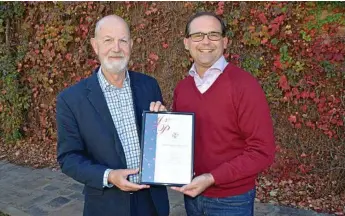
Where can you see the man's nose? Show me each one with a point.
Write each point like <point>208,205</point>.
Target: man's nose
<point>206,40</point>
<point>115,46</point>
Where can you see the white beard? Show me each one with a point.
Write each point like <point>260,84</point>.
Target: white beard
<point>115,67</point>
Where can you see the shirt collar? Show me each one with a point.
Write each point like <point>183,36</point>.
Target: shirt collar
<point>219,65</point>
<point>105,85</point>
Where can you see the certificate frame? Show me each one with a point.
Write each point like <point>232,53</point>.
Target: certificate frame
<point>167,148</point>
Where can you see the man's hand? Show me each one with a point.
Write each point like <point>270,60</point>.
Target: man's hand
<point>119,179</point>
<point>197,186</point>
<point>157,106</point>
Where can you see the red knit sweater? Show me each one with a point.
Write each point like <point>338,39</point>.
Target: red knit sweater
<point>234,138</point>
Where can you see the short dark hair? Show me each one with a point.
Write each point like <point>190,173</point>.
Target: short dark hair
<point>205,13</point>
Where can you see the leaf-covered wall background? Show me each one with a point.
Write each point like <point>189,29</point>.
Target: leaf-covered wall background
<point>295,49</point>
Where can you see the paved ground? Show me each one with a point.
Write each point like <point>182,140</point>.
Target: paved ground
<point>25,191</point>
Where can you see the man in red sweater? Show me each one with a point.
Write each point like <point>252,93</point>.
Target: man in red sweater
<point>234,138</point>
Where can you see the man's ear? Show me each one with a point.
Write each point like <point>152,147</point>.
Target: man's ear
<point>185,42</point>
<point>131,43</point>
<point>94,45</point>
<point>225,42</point>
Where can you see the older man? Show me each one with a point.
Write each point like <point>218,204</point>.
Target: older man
<point>99,120</point>
<point>233,129</point>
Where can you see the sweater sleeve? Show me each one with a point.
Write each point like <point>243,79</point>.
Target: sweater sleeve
<point>256,128</point>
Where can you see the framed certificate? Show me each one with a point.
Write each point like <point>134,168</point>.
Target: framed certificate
<point>167,148</point>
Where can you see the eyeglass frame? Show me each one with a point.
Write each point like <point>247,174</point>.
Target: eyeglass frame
<point>208,35</point>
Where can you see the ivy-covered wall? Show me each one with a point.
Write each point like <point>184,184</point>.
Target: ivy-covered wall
<point>295,49</point>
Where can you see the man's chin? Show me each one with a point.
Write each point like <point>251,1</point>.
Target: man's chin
<point>206,63</point>
<point>115,69</point>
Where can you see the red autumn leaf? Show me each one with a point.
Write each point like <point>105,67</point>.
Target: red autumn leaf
<point>288,94</point>
<point>320,105</point>
<point>220,9</point>
<point>336,100</point>
<point>312,95</point>
<point>334,121</point>
<point>275,24</point>
<point>295,91</point>
<point>304,94</point>
<point>277,62</point>
<point>153,56</point>
<point>262,18</point>
<point>310,124</point>
<point>221,4</point>
<point>298,125</point>
<point>165,45</point>
<point>274,28</point>
<point>283,83</point>
<point>320,109</point>
<point>304,108</point>
<point>151,10</point>
<point>278,148</point>
<point>311,83</point>
<point>263,41</point>
<point>302,168</point>
<point>279,20</point>
<point>78,78</point>
<point>338,57</point>
<point>292,119</point>
<point>68,56</point>
<point>329,133</point>
<point>323,100</point>
<point>91,62</point>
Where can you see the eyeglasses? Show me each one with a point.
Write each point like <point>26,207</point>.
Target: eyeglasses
<point>199,36</point>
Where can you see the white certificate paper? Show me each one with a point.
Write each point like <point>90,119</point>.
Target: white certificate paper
<point>167,148</point>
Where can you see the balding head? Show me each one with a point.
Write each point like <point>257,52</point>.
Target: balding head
<point>111,20</point>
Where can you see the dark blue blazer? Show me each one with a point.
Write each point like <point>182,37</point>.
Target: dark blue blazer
<point>88,142</point>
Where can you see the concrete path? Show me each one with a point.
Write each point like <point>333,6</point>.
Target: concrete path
<point>26,191</point>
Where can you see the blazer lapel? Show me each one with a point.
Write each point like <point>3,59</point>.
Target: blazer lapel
<point>98,101</point>
<point>136,90</point>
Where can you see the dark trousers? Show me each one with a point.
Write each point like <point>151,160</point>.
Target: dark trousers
<point>142,204</point>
